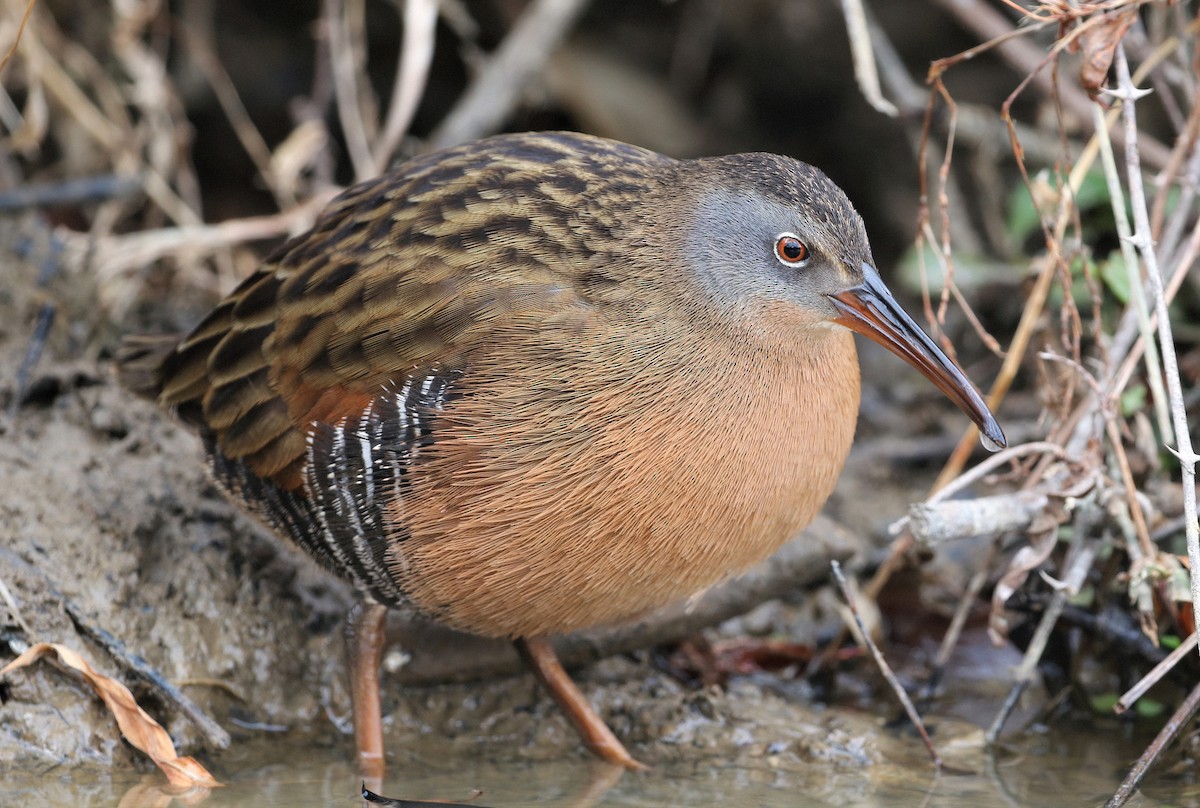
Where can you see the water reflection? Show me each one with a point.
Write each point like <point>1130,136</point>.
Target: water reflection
<point>1053,769</point>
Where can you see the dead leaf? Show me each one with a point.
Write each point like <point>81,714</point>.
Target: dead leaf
<point>1043,537</point>
<point>1098,45</point>
<point>138,728</point>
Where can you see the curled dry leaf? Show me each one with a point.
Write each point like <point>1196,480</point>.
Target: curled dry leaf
<point>1098,44</point>
<point>1042,537</point>
<point>138,728</point>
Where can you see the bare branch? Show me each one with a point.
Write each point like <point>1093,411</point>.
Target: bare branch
<point>865,70</point>
<point>420,33</point>
<point>494,93</point>
<point>347,70</point>
<point>1142,240</point>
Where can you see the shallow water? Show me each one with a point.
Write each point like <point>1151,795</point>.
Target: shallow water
<point>1053,769</point>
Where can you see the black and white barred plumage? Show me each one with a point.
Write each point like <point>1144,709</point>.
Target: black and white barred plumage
<point>354,468</point>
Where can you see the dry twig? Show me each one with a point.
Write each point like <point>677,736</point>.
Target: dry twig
<point>505,75</point>
<point>343,26</point>
<point>136,725</point>
<point>864,637</point>
<point>1143,240</point>
<point>1130,696</point>
<point>1161,742</point>
<point>214,734</point>
<point>1076,574</point>
<point>865,71</point>
<point>420,29</point>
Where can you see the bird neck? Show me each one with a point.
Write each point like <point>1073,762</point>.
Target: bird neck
<point>717,369</point>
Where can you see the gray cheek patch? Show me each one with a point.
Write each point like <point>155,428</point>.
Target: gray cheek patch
<point>732,243</point>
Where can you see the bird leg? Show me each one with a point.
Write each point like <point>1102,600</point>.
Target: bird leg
<point>364,633</point>
<point>540,658</point>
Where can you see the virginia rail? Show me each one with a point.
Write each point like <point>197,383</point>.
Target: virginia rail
<point>540,382</point>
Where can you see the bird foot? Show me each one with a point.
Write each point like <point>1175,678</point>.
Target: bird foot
<point>541,659</point>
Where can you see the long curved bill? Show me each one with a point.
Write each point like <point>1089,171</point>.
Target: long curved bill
<point>870,309</point>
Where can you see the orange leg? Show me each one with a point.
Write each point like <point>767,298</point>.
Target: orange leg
<point>539,656</point>
<point>364,650</point>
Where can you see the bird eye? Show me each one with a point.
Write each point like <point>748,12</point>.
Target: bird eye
<point>791,251</point>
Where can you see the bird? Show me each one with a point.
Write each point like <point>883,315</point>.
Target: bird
<point>540,382</point>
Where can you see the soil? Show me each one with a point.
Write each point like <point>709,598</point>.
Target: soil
<point>105,504</point>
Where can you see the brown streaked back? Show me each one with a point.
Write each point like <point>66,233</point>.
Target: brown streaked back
<point>403,271</point>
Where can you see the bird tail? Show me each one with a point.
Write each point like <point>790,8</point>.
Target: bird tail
<point>138,360</point>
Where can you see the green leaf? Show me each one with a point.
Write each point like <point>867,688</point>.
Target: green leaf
<point>1093,192</point>
<point>1144,707</point>
<point>970,271</point>
<point>1023,217</point>
<point>1133,399</point>
<point>1116,276</point>
<point>1149,708</point>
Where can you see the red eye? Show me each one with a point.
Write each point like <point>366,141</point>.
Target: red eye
<point>791,250</point>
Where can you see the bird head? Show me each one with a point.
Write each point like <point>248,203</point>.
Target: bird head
<point>768,234</point>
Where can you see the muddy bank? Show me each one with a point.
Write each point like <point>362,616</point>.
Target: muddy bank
<point>105,504</point>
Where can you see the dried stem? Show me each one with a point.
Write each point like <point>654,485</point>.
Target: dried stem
<point>1137,298</point>
<point>1160,743</point>
<point>957,623</point>
<point>1130,696</point>
<point>348,66</point>
<point>864,636</point>
<point>1076,575</point>
<point>865,70</point>
<point>214,734</point>
<point>416,55</point>
<point>1143,241</point>
<point>8,55</point>
<point>1028,57</point>
<point>13,609</point>
<point>227,96</point>
<point>1036,302</point>
<point>496,90</point>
